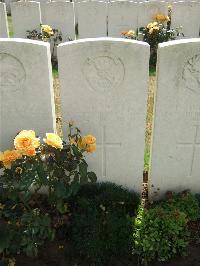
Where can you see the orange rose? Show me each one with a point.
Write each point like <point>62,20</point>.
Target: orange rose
<point>90,148</point>
<point>26,142</point>
<point>130,33</point>
<point>9,156</point>
<point>87,143</point>
<point>161,18</point>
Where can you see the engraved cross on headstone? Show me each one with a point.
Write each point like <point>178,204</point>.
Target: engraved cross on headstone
<point>193,144</point>
<point>104,144</point>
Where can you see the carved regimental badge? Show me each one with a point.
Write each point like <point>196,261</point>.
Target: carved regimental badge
<point>12,72</point>
<point>191,74</point>
<point>104,72</point>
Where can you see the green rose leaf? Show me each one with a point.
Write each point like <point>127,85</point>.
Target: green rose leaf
<point>92,176</point>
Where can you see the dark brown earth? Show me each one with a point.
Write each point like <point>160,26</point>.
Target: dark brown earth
<point>61,253</point>
<point>54,255</point>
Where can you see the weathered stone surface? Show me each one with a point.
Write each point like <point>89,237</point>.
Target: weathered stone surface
<point>187,15</point>
<point>122,16</point>
<point>104,90</point>
<point>60,15</point>
<point>3,21</point>
<point>92,19</point>
<point>8,2</point>
<point>26,91</point>
<point>176,134</point>
<point>147,10</point>
<point>25,16</point>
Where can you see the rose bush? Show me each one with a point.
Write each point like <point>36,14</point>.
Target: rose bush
<point>155,32</point>
<point>55,164</point>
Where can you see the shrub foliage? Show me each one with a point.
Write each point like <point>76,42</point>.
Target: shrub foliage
<point>57,166</point>
<point>102,225</point>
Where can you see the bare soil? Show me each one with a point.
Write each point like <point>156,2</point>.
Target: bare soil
<point>61,253</point>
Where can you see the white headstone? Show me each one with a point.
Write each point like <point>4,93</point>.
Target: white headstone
<point>26,16</point>
<point>92,19</point>
<point>42,6</point>
<point>3,21</point>
<point>104,90</point>
<point>26,90</point>
<point>147,10</point>
<point>8,2</point>
<point>60,15</point>
<point>187,15</point>
<point>176,134</point>
<point>122,16</point>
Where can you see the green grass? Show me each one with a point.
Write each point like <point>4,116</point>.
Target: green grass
<point>10,26</point>
<point>152,71</point>
<point>55,73</point>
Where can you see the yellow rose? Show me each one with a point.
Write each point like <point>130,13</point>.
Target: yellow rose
<point>154,24</point>
<point>53,140</point>
<point>26,142</point>
<point>47,29</point>
<point>153,29</point>
<point>149,25</point>
<point>87,143</point>
<point>9,156</point>
<point>131,33</point>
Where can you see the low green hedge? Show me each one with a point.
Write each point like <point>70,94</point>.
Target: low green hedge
<point>102,224</point>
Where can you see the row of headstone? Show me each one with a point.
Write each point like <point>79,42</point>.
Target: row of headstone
<point>126,15</point>
<point>101,19</point>
<point>27,16</point>
<point>111,75</point>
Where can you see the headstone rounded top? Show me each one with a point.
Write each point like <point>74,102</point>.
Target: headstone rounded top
<point>101,40</point>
